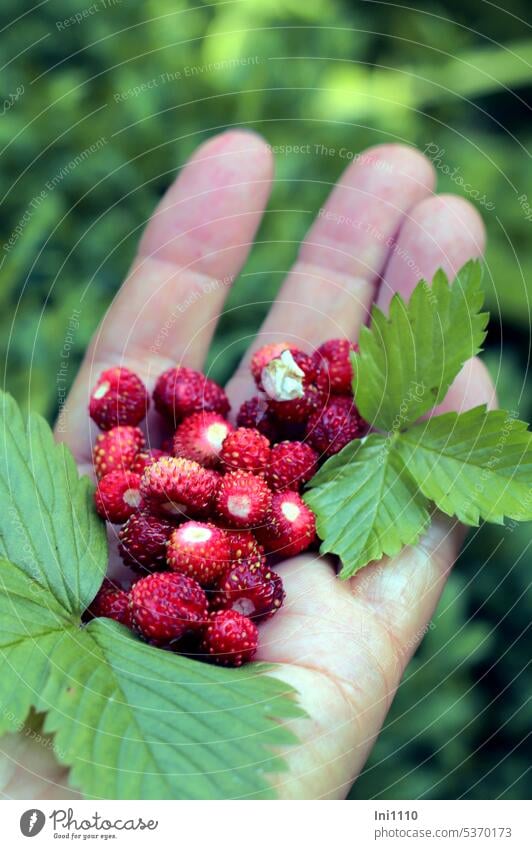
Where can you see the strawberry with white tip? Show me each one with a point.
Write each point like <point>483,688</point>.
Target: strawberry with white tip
<point>243,499</point>
<point>252,588</point>
<point>290,525</point>
<point>200,437</point>
<point>118,496</point>
<point>119,398</point>
<point>200,550</point>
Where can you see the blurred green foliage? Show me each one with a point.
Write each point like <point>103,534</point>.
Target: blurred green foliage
<point>84,160</point>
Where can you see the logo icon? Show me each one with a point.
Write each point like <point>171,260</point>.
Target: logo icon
<point>32,822</point>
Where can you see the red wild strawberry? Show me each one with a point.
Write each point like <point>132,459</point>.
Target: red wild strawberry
<point>116,449</point>
<point>143,541</point>
<point>200,436</point>
<point>176,487</point>
<point>244,545</point>
<point>119,398</point>
<point>181,391</point>
<point>145,458</point>
<point>246,449</point>
<point>243,499</point>
<point>200,550</point>
<point>296,385</point>
<point>334,356</point>
<point>230,639</point>
<point>254,413</point>
<point>264,355</point>
<point>165,605</point>
<point>112,602</point>
<point>329,430</point>
<point>117,496</point>
<point>254,590</point>
<point>291,465</point>
<point>290,525</point>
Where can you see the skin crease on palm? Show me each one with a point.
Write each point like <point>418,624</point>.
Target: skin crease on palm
<point>342,645</point>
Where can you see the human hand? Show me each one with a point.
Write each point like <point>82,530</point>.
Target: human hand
<point>342,645</point>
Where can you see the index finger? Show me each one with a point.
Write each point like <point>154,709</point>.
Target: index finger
<point>194,246</point>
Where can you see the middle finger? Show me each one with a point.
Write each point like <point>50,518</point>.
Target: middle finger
<point>330,288</point>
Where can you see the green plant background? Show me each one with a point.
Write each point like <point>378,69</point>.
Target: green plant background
<point>448,74</point>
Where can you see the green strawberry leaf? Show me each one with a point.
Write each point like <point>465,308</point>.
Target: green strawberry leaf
<point>375,495</point>
<point>136,722</point>
<point>474,465</point>
<point>131,721</point>
<point>48,524</point>
<point>366,503</point>
<point>31,620</point>
<point>408,360</point>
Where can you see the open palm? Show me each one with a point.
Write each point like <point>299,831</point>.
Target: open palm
<point>342,645</point>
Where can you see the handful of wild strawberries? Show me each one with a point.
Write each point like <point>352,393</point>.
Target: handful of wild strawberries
<point>205,515</point>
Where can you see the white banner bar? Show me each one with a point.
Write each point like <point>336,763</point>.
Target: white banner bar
<point>250,825</point>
